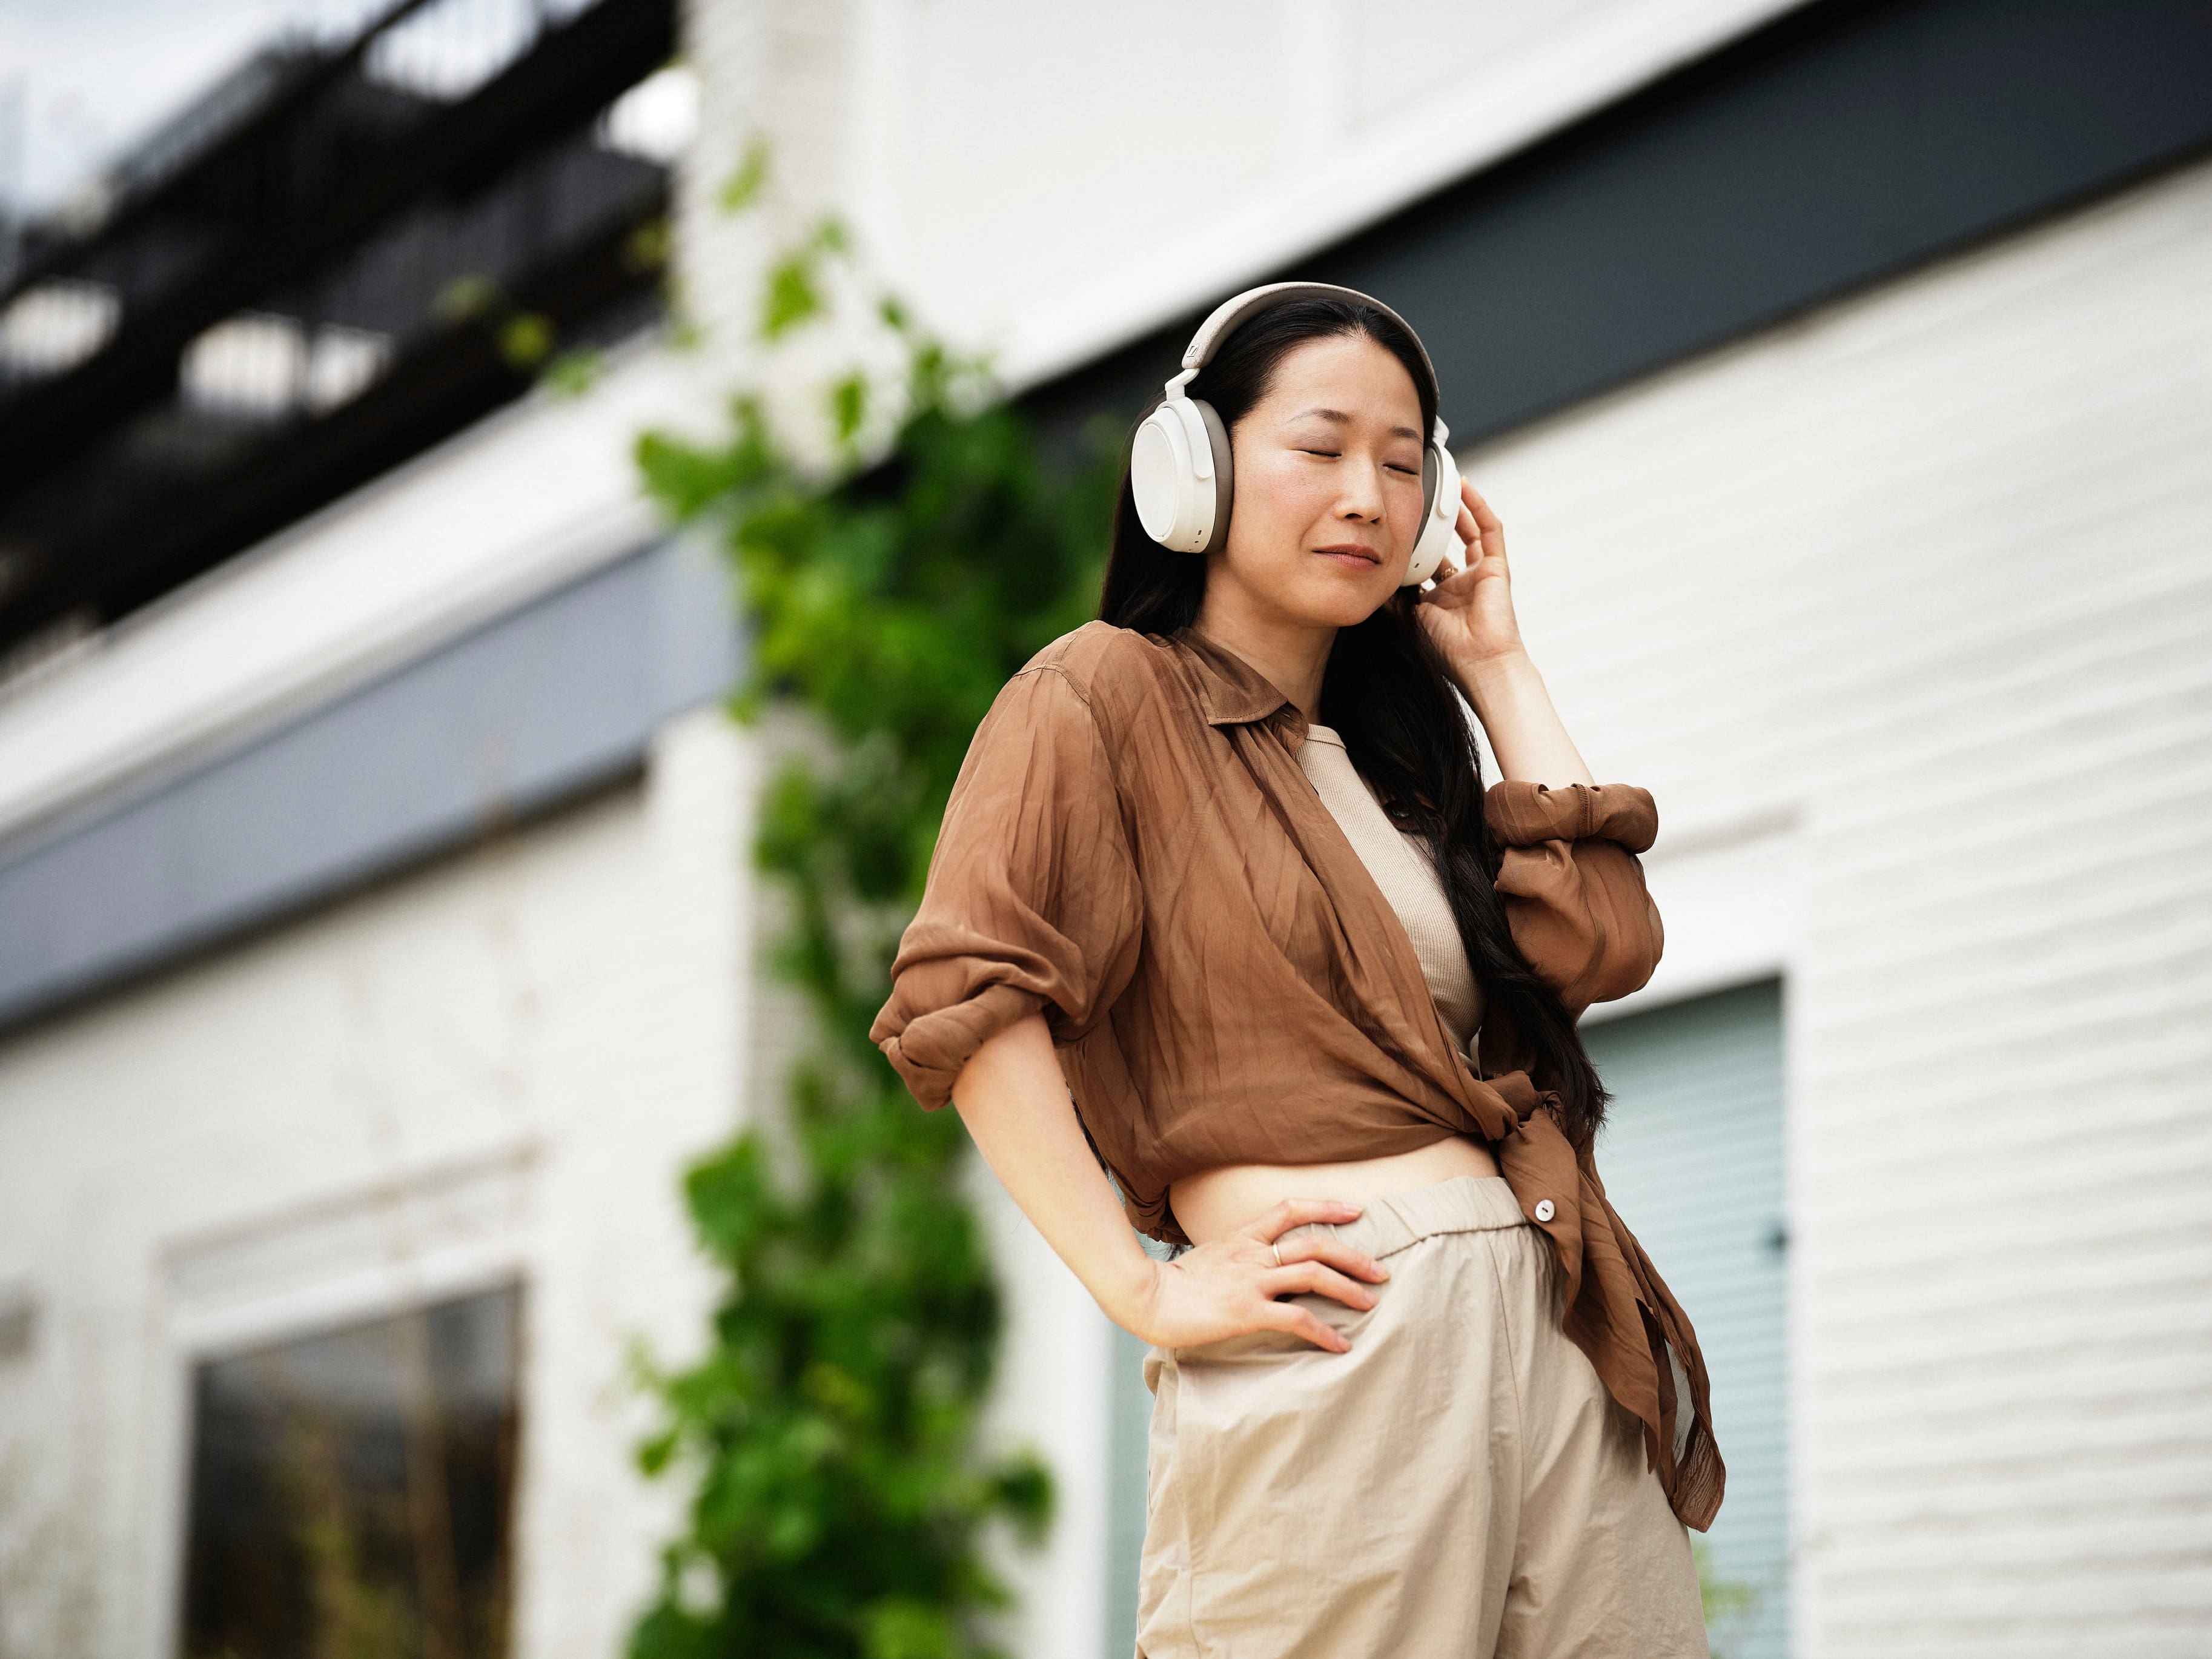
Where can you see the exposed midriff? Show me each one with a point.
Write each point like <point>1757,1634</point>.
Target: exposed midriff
<point>1218,1201</point>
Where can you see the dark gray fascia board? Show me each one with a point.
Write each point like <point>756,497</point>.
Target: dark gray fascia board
<point>535,707</point>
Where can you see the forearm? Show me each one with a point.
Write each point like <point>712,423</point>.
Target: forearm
<point>1525,731</point>
<point>1014,1100</point>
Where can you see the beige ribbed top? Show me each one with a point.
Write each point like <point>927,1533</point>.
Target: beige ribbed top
<point>1400,863</point>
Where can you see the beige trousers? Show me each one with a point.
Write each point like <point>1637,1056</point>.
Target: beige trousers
<point>1459,1484</point>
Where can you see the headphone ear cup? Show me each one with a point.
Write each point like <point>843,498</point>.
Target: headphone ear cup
<point>1440,510</point>
<point>1178,475</point>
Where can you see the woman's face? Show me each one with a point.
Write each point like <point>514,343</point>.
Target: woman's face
<point>1328,487</point>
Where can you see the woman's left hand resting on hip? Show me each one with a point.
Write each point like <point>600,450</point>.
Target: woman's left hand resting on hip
<point>1013,1097</point>
<point>1469,614</point>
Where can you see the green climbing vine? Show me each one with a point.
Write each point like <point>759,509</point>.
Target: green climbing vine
<point>839,1495</point>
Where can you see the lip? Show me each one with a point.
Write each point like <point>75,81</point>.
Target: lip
<point>1352,550</point>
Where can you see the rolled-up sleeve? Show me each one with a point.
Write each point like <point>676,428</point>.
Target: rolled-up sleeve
<point>1032,900</point>
<point>1572,887</point>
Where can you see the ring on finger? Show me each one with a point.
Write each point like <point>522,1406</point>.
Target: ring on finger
<point>1278,1249</point>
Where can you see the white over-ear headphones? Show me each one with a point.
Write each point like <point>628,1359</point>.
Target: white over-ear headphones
<point>1179,467</point>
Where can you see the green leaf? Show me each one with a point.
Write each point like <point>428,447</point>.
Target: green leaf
<point>742,187</point>
<point>848,404</point>
<point>790,295</point>
<point>647,247</point>
<point>467,296</point>
<point>574,372</point>
<point>525,339</point>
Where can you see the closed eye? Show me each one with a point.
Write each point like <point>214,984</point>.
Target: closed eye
<point>1337,454</point>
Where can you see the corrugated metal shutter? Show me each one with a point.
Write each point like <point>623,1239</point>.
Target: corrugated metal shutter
<point>1691,1158</point>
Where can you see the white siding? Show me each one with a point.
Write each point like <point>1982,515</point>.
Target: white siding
<point>494,1067</point>
<point>1930,575</point>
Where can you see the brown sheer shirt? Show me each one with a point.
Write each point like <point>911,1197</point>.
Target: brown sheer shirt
<point>1132,848</point>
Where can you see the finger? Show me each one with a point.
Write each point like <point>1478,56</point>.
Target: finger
<point>1321,1247</point>
<point>1455,589</point>
<point>1311,1278</point>
<point>1297,1213</point>
<point>1486,521</point>
<point>1301,1321</point>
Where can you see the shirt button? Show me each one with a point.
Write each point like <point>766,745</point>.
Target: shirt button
<point>1544,1211</point>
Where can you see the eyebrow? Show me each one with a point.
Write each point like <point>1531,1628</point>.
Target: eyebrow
<point>1340,419</point>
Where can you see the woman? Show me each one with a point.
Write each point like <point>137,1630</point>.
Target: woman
<point>1219,903</point>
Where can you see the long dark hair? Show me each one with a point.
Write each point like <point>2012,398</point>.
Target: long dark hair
<point>1386,690</point>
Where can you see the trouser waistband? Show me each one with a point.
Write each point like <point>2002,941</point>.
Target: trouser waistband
<point>1465,1204</point>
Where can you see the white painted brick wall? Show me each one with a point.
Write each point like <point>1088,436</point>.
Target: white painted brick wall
<point>1930,572</point>
<point>505,1058</point>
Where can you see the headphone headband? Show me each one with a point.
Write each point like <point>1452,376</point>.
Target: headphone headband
<point>1224,318</point>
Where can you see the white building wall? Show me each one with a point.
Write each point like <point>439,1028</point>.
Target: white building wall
<point>494,1067</point>
<point>1901,611</point>
<point>1053,1396</point>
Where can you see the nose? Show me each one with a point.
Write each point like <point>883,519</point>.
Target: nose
<point>1362,492</point>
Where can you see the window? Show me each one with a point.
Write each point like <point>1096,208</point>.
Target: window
<point>351,1491</point>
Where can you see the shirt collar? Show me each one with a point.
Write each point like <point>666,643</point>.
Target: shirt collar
<point>1230,690</point>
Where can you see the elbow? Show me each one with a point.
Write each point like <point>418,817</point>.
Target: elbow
<point>1626,958</point>
<point>929,1050</point>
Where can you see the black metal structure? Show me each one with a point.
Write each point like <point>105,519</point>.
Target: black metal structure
<point>339,197</point>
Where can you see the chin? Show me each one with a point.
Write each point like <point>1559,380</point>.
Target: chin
<point>1345,598</point>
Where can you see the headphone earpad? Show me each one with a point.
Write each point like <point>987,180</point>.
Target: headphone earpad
<point>1440,510</point>
<point>1225,475</point>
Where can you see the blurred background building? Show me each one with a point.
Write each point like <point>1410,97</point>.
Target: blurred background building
<point>375,929</point>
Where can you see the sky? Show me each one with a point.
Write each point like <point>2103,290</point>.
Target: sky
<point>81,79</point>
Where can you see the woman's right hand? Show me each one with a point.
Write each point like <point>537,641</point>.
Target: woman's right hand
<point>1014,1099</point>
<point>1227,1286</point>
